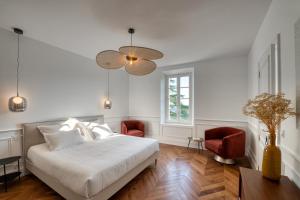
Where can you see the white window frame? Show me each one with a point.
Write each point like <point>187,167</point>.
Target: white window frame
<point>167,108</point>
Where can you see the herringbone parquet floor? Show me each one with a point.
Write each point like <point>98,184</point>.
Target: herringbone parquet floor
<point>180,174</point>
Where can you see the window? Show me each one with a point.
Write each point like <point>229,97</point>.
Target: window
<point>179,98</point>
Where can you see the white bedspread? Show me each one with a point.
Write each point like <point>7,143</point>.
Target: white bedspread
<point>89,168</point>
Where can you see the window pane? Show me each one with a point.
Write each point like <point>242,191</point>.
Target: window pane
<point>178,98</point>
<point>173,82</point>
<point>172,92</point>
<point>184,109</point>
<point>173,100</point>
<point>185,81</point>
<point>184,93</point>
<point>173,112</point>
<point>184,114</point>
<point>185,102</point>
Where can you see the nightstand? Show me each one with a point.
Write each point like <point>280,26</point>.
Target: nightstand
<point>6,178</point>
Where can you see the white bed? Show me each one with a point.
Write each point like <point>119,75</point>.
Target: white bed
<point>92,170</point>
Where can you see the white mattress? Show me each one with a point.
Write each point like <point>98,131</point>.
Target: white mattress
<point>89,168</point>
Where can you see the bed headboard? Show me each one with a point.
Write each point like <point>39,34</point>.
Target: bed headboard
<point>32,136</point>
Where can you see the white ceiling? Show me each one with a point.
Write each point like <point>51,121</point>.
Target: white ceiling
<point>184,30</point>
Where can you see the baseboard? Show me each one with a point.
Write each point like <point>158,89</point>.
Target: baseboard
<point>176,142</point>
<point>252,160</point>
<point>292,173</point>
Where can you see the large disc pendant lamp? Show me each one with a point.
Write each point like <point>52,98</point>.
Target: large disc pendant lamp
<point>17,103</point>
<point>107,102</point>
<point>136,60</point>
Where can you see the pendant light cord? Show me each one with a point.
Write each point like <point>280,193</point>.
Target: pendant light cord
<point>108,84</point>
<point>131,32</point>
<point>18,65</point>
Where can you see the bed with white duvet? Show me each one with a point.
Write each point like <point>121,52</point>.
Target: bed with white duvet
<point>90,167</point>
<point>85,168</point>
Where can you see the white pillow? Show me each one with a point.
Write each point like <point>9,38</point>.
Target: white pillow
<point>103,126</point>
<point>99,131</point>
<point>70,124</point>
<point>85,132</point>
<point>60,140</point>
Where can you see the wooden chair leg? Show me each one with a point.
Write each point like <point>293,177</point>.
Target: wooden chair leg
<point>189,144</point>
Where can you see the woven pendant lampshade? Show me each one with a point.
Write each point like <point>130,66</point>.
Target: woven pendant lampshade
<point>136,60</point>
<point>17,103</point>
<point>141,52</point>
<point>110,59</point>
<point>141,67</point>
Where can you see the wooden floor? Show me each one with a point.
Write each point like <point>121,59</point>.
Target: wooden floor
<point>180,174</point>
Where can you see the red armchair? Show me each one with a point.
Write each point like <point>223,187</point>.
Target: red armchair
<point>133,128</point>
<point>227,143</point>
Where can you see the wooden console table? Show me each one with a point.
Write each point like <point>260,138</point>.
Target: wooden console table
<point>254,186</point>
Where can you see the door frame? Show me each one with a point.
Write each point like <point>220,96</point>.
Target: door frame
<point>272,56</point>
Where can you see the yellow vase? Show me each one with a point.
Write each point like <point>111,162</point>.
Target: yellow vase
<point>271,166</point>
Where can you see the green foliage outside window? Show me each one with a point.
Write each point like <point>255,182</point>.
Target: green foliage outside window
<point>184,107</point>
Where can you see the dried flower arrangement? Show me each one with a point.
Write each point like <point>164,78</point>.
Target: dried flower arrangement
<point>270,109</point>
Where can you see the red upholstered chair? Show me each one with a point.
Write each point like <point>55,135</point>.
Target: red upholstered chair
<point>133,128</point>
<point>227,143</point>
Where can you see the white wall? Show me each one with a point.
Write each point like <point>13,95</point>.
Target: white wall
<point>144,95</point>
<point>297,64</point>
<point>220,90</point>
<point>56,83</point>
<point>281,18</point>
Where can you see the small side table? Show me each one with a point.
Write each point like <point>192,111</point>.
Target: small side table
<point>198,140</point>
<point>5,178</point>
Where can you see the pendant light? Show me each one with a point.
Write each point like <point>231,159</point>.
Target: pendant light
<point>136,60</point>
<point>17,103</point>
<point>107,102</point>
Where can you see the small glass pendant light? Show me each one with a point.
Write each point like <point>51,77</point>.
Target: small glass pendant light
<point>107,102</point>
<point>17,103</point>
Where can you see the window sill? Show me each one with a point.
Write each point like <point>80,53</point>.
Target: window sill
<point>177,125</point>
